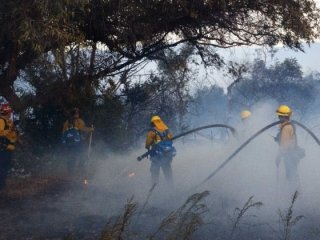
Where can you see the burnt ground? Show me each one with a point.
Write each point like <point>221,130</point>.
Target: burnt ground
<point>48,208</point>
<point>41,207</point>
<point>35,208</point>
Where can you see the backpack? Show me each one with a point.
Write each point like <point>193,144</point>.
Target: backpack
<point>4,142</point>
<point>71,137</point>
<point>165,147</point>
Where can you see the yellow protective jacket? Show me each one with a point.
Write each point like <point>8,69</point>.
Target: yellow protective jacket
<point>79,124</point>
<point>8,131</point>
<point>288,139</point>
<point>153,137</point>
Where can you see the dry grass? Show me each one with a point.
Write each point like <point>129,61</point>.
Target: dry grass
<point>239,213</point>
<point>287,221</point>
<point>183,222</point>
<point>179,224</point>
<point>147,199</point>
<point>119,229</point>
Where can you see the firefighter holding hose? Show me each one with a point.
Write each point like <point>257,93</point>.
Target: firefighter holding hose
<point>161,150</point>
<point>289,152</point>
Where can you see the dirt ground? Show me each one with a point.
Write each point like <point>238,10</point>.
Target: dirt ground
<point>48,208</point>
<point>62,207</point>
<point>35,208</point>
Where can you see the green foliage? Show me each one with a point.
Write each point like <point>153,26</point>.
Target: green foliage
<point>29,29</point>
<point>131,31</point>
<point>121,24</point>
<point>119,107</point>
<point>81,53</point>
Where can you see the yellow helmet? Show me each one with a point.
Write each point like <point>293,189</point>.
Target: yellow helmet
<point>284,110</point>
<point>155,118</point>
<point>245,114</point>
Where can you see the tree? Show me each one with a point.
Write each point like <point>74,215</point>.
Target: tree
<point>283,82</point>
<point>164,93</point>
<point>134,30</point>
<point>27,30</point>
<point>209,105</point>
<point>120,107</point>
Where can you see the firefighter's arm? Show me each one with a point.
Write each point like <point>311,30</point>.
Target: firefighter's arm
<point>65,126</point>
<point>170,135</point>
<point>150,139</point>
<point>2,127</point>
<point>82,126</point>
<point>12,136</point>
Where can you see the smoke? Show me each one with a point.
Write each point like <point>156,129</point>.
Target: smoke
<point>115,178</point>
<point>251,173</point>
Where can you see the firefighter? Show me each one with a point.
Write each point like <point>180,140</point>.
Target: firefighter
<point>289,152</point>
<point>8,137</point>
<point>74,140</point>
<point>244,126</point>
<point>77,122</point>
<point>159,144</point>
<point>245,114</point>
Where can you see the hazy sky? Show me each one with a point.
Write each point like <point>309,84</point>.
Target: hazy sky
<point>309,59</point>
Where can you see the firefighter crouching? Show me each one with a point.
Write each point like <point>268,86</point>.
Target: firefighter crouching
<point>8,137</point>
<point>159,145</point>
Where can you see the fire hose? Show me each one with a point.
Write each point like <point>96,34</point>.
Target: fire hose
<point>307,130</point>
<point>225,162</point>
<point>192,131</point>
